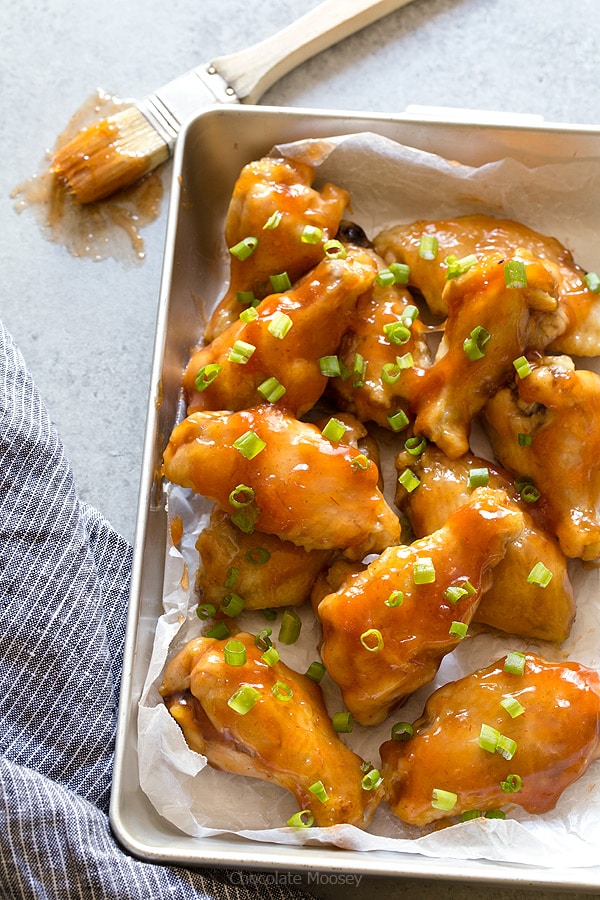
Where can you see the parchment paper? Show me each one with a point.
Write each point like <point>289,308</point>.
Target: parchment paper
<point>388,183</point>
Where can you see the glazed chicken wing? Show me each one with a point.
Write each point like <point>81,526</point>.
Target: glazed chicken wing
<point>290,332</point>
<point>285,736</point>
<point>489,326</point>
<point>558,408</point>
<point>272,202</point>
<point>263,570</point>
<point>386,630</point>
<point>556,737</point>
<point>577,328</point>
<point>283,477</point>
<point>514,603</point>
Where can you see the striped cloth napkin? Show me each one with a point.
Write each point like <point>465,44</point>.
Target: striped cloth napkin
<point>63,598</point>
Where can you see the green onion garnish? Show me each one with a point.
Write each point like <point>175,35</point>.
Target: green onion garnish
<point>495,814</point>
<point>311,234</point>
<point>371,780</point>
<point>334,249</point>
<point>243,699</point>
<point>316,671</point>
<point>488,738</point>
<point>232,605</point>
<point>269,614</point>
<point>397,332</point>
<point>280,283</point>
<point>428,246</point>
<point>529,493</point>
<point>234,653</point>
<point>409,480</point>
<point>273,220</point>
<point>302,819</point>
<point>592,282</point>
<point>471,814</point>
<point>291,625</point>
<point>206,611</point>
<point>390,373</point>
<point>359,370</point>
<point>342,722</point>
<point>263,639</point>
<point>424,571</point>
<point>506,747</point>
<point>515,275</point>
<point>244,248</point>
<point>512,784</point>
<point>514,663</point>
<point>360,461</point>
<point>385,278</point>
<point>249,444</point>
<point>522,366</point>
<point>524,440</point>
<point>458,630</point>
<point>402,731</point>
<point>444,800</point>
<point>479,477</point>
<point>279,325</point>
<point>406,361</point>
<point>257,556</point>
<point>401,272</point>
<point>241,352</point>
<point>458,266</point>
<point>206,375</point>
<point>245,518</point>
<point>512,706</point>
<point>271,389</point>
<point>330,366</point>
<point>540,575</point>
<point>415,445</point>
<point>246,297</point>
<point>372,640</point>
<point>455,592</point>
<point>241,496</point>
<point>334,430</point>
<point>249,315</point>
<point>219,631</point>
<point>396,598</point>
<point>318,789</point>
<point>270,656</point>
<point>398,420</point>
<point>232,576</point>
<point>474,344</point>
<point>282,691</point>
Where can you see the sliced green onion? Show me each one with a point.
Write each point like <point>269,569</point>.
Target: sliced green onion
<point>406,361</point>
<point>401,272</point>
<point>592,282</point>
<point>372,640</point>
<point>248,315</point>
<point>359,370</point>
<point>397,332</point>
<point>398,420</point>
<point>512,784</point>
<point>249,444</point>
<point>280,283</point>
<point>334,430</point>
<point>402,731</point>
<point>512,706</point>
<point>529,493</point>
<point>396,598</point>
<point>409,480</point>
<point>372,780</point>
<point>506,747</point>
<point>515,274</point>
<point>522,366</point>
<point>279,325</point>
<point>444,800</point>
<point>428,246</point>
<point>424,571</point>
<point>234,653</point>
<point>257,556</point>
<point>270,614</point>
<point>458,266</point>
<point>206,375</point>
<point>495,814</point>
<point>409,314</point>
<point>302,819</point>
<point>390,373</point>
<point>458,630</point>
<point>415,445</point>
<point>385,278</point>
<point>232,605</point>
<point>540,575</point>
<point>455,592</point>
<point>488,738</point>
<point>343,722</point>
<point>271,389</point>
<point>524,440</point>
<point>360,461</point>
<point>311,234</point>
<point>514,663</point>
<point>244,699</point>
<point>479,477</point>
<point>245,518</point>
<point>471,814</point>
<point>318,789</point>
<point>334,249</point>
<point>291,625</point>
<point>246,297</point>
<point>270,656</point>
<point>241,352</point>
<point>282,691</point>
<point>273,220</point>
<point>232,576</point>
<point>316,671</point>
<point>241,496</point>
<point>219,631</point>
<point>474,345</point>
<point>263,639</point>
<point>206,611</point>
<point>244,248</point>
<point>330,366</point>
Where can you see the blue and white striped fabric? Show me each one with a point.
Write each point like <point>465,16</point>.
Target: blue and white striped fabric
<point>64,577</point>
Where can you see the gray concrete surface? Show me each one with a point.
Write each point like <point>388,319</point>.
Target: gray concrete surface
<point>86,329</point>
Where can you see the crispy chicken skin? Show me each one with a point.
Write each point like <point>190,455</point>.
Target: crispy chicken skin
<point>368,393</point>
<point>456,387</point>
<point>579,333</point>
<point>379,653</point>
<point>267,187</point>
<point>318,308</point>
<point>559,407</point>
<point>290,742</point>
<point>269,572</point>
<point>305,489</point>
<point>511,604</point>
<point>557,737</point>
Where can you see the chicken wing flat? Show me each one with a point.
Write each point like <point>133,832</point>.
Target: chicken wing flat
<point>479,347</point>
<point>386,630</point>
<point>495,738</point>
<point>579,331</point>
<point>283,477</point>
<point>272,203</point>
<point>385,352</point>
<point>282,345</point>
<point>263,570</point>
<point>514,603</point>
<point>557,408</point>
<point>278,730</point>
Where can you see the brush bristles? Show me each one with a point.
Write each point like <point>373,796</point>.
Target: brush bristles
<point>108,156</point>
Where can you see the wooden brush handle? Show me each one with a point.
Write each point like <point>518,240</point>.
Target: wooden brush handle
<point>252,71</point>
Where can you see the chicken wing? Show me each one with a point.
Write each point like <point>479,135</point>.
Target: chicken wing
<point>557,410</point>
<point>386,630</point>
<point>283,477</point>
<point>285,340</point>
<point>479,347</point>
<point>272,202</point>
<point>514,603</point>
<point>285,737</point>
<point>550,712</point>
<point>577,329</point>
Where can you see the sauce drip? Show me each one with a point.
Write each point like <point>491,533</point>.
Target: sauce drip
<point>98,231</point>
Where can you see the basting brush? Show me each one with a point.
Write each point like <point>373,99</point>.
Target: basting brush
<point>113,153</point>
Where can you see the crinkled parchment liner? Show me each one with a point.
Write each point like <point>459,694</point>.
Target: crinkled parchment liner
<point>388,183</point>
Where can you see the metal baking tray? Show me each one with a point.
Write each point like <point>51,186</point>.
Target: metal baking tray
<point>212,149</point>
